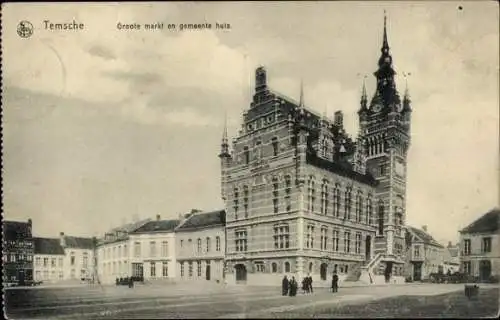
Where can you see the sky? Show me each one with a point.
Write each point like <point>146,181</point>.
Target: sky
<point>102,126</point>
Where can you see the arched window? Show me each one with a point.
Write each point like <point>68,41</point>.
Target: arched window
<point>310,195</point>
<point>359,205</point>
<point>336,200</point>
<point>324,197</point>
<point>287,266</point>
<point>369,210</point>
<point>347,213</point>
<point>274,267</point>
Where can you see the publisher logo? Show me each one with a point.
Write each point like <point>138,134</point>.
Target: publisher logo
<point>25,29</point>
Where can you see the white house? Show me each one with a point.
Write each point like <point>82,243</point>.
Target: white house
<point>152,248</point>
<point>114,252</point>
<point>49,259</point>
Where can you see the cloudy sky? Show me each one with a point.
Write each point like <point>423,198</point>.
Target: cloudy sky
<point>103,124</point>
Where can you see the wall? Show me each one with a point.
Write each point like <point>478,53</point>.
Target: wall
<point>52,271</point>
<point>113,260</point>
<point>209,254</point>
<point>164,261</point>
<point>81,267</point>
<point>476,253</point>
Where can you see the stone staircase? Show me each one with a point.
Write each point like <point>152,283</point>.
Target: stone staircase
<point>366,271</point>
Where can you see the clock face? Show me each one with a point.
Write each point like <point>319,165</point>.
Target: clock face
<point>377,108</point>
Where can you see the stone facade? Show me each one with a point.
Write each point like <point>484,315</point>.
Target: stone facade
<point>303,197</point>
<point>425,256</point>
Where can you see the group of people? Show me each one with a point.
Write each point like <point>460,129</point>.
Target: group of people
<point>289,286</point>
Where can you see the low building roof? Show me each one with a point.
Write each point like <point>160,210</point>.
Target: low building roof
<point>488,222</point>
<point>78,242</point>
<point>425,237</point>
<point>201,220</point>
<point>50,246</point>
<point>158,226</point>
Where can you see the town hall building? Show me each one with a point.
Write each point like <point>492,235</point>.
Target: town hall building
<point>305,198</point>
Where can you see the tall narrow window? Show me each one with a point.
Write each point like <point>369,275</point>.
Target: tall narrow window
<point>324,232</point>
<point>467,247</point>
<point>246,155</point>
<point>137,249</point>
<point>324,197</point>
<point>164,249</point>
<point>198,247</point>
<point>235,203</point>
<point>336,200</point>
<point>217,243</point>
<point>359,205</point>
<point>347,213</point>
<point>347,241</point>
<point>288,184</point>
<point>198,265</point>
<point>310,237</point>
<point>275,146</point>
<point>241,240</point>
<point>208,244</point>
<point>165,269</point>
<point>381,218</point>
<point>245,200</point>
<point>153,269</point>
<point>152,249</point>
<point>275,195</point>
<point>369,210</point>
<point>335,240</point>
<point>357,244</point>
<point>281,237</point>
<point>310,195</point>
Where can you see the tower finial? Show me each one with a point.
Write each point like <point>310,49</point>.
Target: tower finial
<point>385,44</point>
<point>301,101</point>
<point>224,134</point>
<point>363,92</point>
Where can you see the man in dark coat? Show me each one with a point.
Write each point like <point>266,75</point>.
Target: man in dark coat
<point>335,282</point>
<point>284,286</point>
<point>310,282</point>
<point>293,287</point>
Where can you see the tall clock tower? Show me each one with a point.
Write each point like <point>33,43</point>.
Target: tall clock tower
<point>385,128</point>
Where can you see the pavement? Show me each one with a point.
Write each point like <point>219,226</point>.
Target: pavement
<point>196,300</point>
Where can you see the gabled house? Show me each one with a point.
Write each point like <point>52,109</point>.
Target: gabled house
<point>480,246</point>
<point>424,256</point>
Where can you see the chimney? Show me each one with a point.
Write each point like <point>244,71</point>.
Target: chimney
<point>449,244</point>
<point>30,222</point>
<point>157,217</point>
<point>424,228</point>
<point>62,240</point>
<point>338,118</point>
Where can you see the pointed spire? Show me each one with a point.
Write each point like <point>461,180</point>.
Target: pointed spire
<point>385,44</point>
<point>364,98</point>
<point>224,134</point>
<point>301,100</point>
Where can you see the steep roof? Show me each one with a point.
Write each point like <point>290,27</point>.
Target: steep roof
<point>48,246</point>
<point>78,243</point>
<point>425,237</point>
<point>342,169</point>
<point>16,229</point>
<point>129,227</point>
<point>203,220</point>
<point>158,226</point>
<point>489,222</point>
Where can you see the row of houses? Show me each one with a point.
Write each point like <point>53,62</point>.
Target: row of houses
<point>193,247</point>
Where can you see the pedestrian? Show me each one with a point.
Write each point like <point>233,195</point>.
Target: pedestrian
<point>284,286</point>
<point>293,287</point>
<point>310,282</point>
<point>335,282</point>
<point>304,286</point>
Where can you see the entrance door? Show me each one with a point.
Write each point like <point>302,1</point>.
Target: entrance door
<point>21,277</point>
<point>323,270</point>
<point>368,247</point>
<point>417,271</point>
<point>484,269</point>
<point>207,272</point>
<point>241,273</point>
